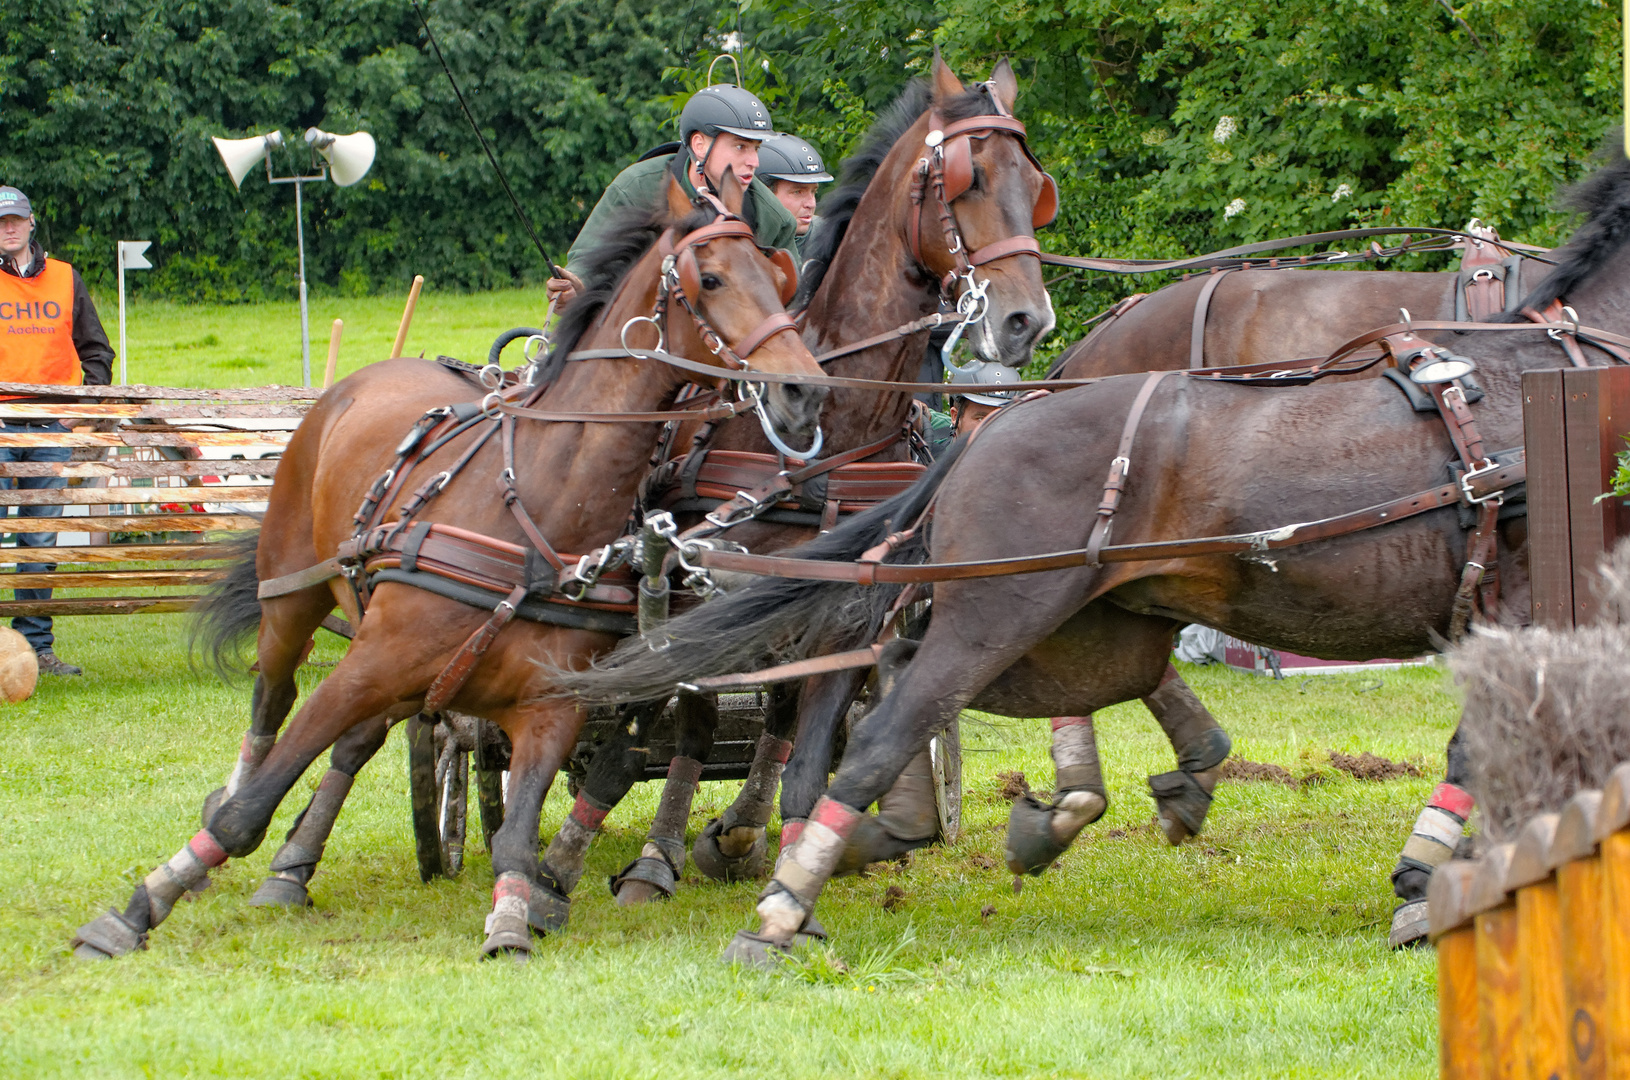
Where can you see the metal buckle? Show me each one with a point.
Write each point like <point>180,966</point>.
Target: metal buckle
<point>1498,497</point>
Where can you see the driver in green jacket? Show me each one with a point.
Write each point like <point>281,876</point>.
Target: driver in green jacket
<point>720,129</point>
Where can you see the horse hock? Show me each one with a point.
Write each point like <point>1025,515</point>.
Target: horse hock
<point>1183,796</point>
<point>1037,832</point>
<point>114,934</point>
<point>655,874</point>
<point>785,905</point>
<point>734,846</point>
<point>296,861</point>
<point>1431,843</point>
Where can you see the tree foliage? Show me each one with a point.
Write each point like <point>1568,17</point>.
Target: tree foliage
<point>1173,127</point>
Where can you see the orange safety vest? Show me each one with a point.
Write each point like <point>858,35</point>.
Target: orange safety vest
<point>37,327</point>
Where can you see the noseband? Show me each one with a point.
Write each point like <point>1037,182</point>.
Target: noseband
<point>682,281</point>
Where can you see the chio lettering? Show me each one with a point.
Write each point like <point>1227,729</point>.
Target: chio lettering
<point>48,309</point>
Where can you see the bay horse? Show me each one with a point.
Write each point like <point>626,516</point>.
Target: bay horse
<point>879,262</point>
<point>562,486</point>
<point>1202,465</point>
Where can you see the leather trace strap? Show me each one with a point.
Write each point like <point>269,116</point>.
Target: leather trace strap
<point>1120,466</point>
<point>459,669</point>
<point>1202,307</point>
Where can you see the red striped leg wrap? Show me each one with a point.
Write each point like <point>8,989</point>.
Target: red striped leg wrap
<point>813,858</point>
<point>186,868</point>
<point>1075,754</point>
<point>510,896</point>
<point>777,750</point>
<point>587,814</point>
<point>790,832</point>
<point>1437,831</point>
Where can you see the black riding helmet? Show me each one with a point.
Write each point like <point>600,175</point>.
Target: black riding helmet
<point>787,157</point>
<point>725,108</point>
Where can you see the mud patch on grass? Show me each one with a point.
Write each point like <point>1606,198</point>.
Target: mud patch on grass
<point>1368,766</point>
<point>1257,772</point>
<point>1011,784</point>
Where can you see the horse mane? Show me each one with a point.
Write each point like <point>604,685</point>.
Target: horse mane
<point>837,209</point>
<point>630,234</point>
<point>1604,198</point>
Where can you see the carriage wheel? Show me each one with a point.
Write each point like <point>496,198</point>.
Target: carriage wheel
<point>421,740</point>
<point>946,751</point>
<point>490,791</point>
<point>453,785</point>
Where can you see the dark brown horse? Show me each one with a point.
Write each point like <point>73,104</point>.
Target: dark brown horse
<point>1209,459</point>
<point>577,481</point>
<point>864,279</point>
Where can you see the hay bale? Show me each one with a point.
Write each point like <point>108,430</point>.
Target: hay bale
<point>1547,711</point>
<point>19,667</point>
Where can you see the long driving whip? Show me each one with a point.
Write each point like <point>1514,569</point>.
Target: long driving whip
<point>502,179</point>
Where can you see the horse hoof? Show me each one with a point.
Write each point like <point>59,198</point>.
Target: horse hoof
<point>647,878</point>
<point>280,891</point>
<point>811,932</point>
<point>212,803</point>
<point>752,951</point>
<point>1181,803</point>
<point>509,946</point>
<point>712,861</point>
<point>106,936</point>
<point>1409,925</point>
<point>1031,848</point>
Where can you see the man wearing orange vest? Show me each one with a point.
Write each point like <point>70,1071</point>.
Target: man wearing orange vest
<point>49,333</point>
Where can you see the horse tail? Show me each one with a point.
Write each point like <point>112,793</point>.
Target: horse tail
<point>230,609</point>
<point>771,620</point>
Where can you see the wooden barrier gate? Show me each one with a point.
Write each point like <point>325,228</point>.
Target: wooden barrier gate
<point>179,468</point>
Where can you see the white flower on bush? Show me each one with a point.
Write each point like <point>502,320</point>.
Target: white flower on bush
<point>1233,208</point>
<point>1342,191</point>
<point>1226,126</point>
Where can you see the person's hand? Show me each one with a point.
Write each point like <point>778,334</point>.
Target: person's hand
<point>563,290</point>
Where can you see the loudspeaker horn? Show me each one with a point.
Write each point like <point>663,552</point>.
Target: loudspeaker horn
<point>241,155</point>
<point>349,156</point>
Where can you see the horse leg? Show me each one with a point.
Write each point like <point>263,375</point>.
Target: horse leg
<point>296,861</point>
<point>1183,797</point>
<point>286,627</point>
<point>822,707</point>
<point>732,846</point>
<point>356,691</point>
<point>656,872</point>
<point>619,763</point>
<point>524,900</point>
<point>907,815</point>
<point>1431,844</point>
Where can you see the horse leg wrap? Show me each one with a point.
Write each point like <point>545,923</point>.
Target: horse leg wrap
<point>113,934</point>
<point>571,843</point>
<point>791,830</point>
<point>734,846</point>
<point>1431,844</point>
<point>251,753</point>
<point>1183,797</point>
<point>295,863</point>
<point>907,818</point>
<point>1037,832</point>
<point>786,902</point>
<point>507,930</point>
<point>656,872</point>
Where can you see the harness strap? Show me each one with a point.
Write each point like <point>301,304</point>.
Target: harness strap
<point>1479,486</point>
<point>1001,249</point>
<point>459,669</point>
<point>512,500</point>
<point>802,669</point>
<point>1202,307</point>
<point>927,322</point>
<point>1120,465</point>
<point>1554,313</point>
<point>773,324</point>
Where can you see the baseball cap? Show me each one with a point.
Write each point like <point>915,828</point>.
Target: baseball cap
<point>14,203</point>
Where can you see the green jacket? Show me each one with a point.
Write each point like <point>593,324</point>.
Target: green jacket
<point>641,184</point>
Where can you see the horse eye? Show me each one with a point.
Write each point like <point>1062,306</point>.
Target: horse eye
<point>711,281</point>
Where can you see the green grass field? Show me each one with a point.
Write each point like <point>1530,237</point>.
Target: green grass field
<point>1257,950</point>
<point>258,344</point>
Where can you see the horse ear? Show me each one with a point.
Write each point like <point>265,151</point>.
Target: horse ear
<point>946,84</point>
<point>730,192</point>
<point>678,202</point>
<point>1007,86</point>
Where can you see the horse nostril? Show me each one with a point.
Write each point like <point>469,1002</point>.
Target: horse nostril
<point>1018,323</point>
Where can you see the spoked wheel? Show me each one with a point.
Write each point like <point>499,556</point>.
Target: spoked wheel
<point>946,751</point>
<point>439,752</point>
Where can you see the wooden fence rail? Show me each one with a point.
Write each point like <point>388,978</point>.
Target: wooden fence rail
<point>1533,943</point>
<point>162,473</point>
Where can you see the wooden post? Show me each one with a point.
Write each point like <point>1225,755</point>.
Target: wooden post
<point>407,316</point>
<point>333,353</point>
<point>1449,896</point>
<point>1613,827</point>
<point>1539,948</point>
<point>1579,895</point>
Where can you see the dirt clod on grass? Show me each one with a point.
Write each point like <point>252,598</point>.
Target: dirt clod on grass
<point>987,911</point>
<point>1256,772</point>
<point>1011,785</point>
<point>1368,766</point>
<point>893,898</point>
<point>983,861</point>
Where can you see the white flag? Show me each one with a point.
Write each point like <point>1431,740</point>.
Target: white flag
<point>131,255</point>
